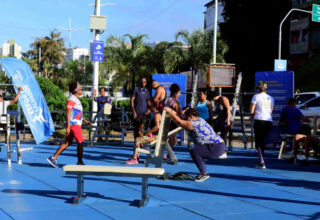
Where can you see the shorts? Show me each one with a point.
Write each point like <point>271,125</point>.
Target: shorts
<point>140,119</point>
<point>75,132</point>
<point>304,129</point>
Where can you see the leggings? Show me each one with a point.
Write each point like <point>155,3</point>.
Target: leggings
<point>261,131</point>
<point>206,151</point>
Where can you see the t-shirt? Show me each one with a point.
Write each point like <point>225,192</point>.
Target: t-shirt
<point>141,100</point>
<point>3,111</point>
<point>293,119</point>
<point>264,104</point>
<point>75,106</point>
<point>100,102</point>
<point>203,133</point>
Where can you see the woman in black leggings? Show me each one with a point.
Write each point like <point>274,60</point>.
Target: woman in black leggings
<point>261,109</point>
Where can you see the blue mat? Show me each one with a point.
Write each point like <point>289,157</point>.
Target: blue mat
<point>235,190</point>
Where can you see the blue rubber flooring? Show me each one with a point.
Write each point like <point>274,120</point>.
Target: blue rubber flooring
<point>235,190</point>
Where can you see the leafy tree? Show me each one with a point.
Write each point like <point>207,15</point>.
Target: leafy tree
<point>124,58</point>
<point>52,53</point>
<point>199,53</point>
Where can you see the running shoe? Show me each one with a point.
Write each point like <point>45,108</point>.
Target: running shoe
<point>53,162</point>
<point>132,161</point>
<point>260,166</point>
<point>202,177</point>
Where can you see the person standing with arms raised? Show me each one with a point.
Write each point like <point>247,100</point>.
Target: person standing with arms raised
<point>140,104</point>
<point>260,110</point>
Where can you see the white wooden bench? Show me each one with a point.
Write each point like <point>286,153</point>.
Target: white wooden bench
<point>144,172</point>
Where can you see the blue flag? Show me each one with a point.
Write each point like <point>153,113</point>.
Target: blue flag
<point>31,98</point>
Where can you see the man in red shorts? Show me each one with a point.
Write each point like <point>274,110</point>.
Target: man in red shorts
<point>73,125</point>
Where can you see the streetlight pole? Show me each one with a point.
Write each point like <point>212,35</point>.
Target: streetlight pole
<point>95,75</point>
<point>215,33</point>
<point>280,28</point>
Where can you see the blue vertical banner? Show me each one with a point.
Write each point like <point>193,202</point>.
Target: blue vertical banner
<point>280,87</point>
<point>166,80</point>
<point>31,98</point>
<point>97,51</point>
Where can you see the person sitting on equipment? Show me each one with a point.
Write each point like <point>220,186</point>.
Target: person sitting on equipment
<point>301,132</point>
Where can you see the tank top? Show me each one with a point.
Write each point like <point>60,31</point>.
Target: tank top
<point>203,110</point>
<point>221,111</point>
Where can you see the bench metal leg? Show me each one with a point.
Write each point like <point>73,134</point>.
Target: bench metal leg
<point>283,145</point>
<point>80,195</point>
<point>173,158</point>
<point>144,193</point>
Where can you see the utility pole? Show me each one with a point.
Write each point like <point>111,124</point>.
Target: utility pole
<point>215,33</point>
<point>69,30</point>
<point>95,76</point>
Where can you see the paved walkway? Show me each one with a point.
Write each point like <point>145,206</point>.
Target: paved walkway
<point>235,190</point>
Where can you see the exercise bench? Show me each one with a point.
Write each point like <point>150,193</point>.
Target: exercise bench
<point>124,171</point>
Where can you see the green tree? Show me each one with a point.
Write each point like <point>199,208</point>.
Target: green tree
<point>52,53</point>
<point>124,58</point>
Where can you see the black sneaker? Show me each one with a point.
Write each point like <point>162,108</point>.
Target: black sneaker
<point>80,163</point>
<point>260,166</point>
<point>202,177</point>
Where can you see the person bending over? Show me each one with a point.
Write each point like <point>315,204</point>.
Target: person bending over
<point>208,144</point>
<point>73,125</point>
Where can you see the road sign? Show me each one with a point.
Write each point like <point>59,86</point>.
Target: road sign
<point>280,65</point>
<point>97,51</point>
<point>316,13</point>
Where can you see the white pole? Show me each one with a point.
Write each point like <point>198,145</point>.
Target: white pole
<point>95,76</point>
<point>70,33</point>
<point>215,32</point>
<point>280,28</point>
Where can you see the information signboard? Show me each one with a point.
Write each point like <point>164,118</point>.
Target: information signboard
<point>97,51</point>
<point>222,76</point>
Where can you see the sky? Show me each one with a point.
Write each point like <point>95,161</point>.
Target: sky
<point>26,20</point>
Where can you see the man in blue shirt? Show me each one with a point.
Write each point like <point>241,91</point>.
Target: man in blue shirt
<point>101,100</point>
<point>140,105</point>
<point>300,131</point>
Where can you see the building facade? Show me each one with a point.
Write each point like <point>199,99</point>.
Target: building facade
<point>209,15</point>
<point>304,34</point>
<point>77,53</point>
<point>12,49</point>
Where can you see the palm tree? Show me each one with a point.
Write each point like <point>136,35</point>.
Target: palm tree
<point>52,52</point>
<point>200,43</point>
<point>124,58</point>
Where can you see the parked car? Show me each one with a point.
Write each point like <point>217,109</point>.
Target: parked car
<point>311,107</point>
<point>302,98</point>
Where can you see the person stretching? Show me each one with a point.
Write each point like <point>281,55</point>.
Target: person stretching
<point>73,125</point>
<point>208,144</point>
